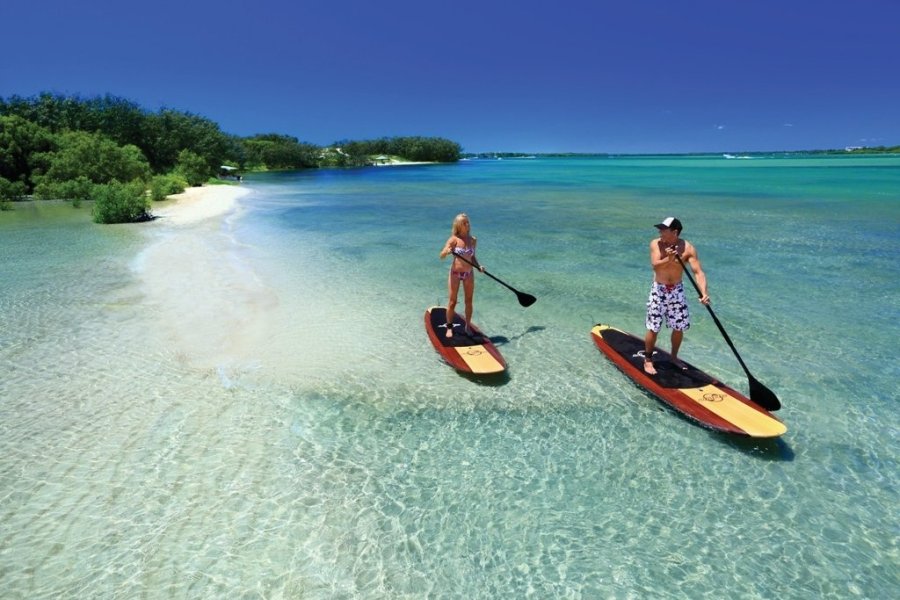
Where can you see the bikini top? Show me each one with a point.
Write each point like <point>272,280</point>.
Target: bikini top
<point>467,251</point>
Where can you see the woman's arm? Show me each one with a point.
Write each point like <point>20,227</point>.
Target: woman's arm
<point>448,247</point>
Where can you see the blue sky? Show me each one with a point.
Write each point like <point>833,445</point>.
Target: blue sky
<point>623,76</point>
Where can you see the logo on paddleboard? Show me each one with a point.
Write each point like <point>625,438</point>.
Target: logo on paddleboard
<point>713,397</point>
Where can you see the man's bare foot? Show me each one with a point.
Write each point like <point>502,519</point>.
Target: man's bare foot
<point>649,369</point>
<point>449,333</point>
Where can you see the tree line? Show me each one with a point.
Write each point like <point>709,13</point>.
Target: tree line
<point>111,150</point>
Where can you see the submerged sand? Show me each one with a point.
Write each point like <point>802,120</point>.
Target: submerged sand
<point>210,305</point>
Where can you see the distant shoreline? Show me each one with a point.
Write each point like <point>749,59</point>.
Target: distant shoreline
<point>893,151</point>
<point>403,163</point>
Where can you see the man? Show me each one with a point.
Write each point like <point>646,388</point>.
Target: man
<point>667,300</point>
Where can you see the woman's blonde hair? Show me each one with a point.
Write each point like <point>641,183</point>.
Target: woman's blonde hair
<point>457,223</point>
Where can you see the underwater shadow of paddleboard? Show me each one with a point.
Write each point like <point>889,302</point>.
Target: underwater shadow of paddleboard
<point>493,380</point>
<point>499,340</point>
<point>771,449</point>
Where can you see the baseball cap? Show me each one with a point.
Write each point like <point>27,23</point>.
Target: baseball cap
<point>669,223</point>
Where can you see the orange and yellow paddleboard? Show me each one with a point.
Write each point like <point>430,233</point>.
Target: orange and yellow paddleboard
<point>688,390</point>
<point>468,353</point>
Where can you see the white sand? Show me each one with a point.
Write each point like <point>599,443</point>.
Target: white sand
<point>211,307</point>
<point>199,203</point>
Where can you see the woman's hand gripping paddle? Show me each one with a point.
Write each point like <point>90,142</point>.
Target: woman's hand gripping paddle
<point>524,299</point>
<point>758,392</point>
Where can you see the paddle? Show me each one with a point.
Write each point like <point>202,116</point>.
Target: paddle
<point>524,299</point>
<point>758,392</point>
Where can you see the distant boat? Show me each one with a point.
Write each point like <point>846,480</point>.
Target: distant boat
<point>733,156</point>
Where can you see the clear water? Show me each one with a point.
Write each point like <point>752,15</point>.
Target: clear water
<point>250,407</point>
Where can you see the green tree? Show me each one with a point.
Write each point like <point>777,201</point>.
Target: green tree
<point>160,136</point>
<point>10,191</point>
<point>421,149</point>
<point>95,157</point>
<point>274,151</point>
<point>169,132</point>
<point>117,118</point>
<point>193,167</point>
<point>21,144</point>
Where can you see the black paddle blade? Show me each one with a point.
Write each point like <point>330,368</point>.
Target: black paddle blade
<point>763,395</point>
<point>526,299</point>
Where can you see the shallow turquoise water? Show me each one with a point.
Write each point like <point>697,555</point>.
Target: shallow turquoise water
<point>333,456</point>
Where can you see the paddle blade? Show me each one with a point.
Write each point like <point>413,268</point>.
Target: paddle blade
<point>763,395</point>
<point>526,299</point>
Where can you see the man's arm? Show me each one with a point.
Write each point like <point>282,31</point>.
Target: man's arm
<point>657,258</point>
<point>699,275</point>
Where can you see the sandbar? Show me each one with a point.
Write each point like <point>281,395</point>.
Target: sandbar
<point>199,282</point>
<point>198,204</point>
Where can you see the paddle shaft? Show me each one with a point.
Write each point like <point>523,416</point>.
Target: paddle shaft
<point>524,299</point>
<point>480,268</point>
<point>715,318</point>
<point>758,392</point>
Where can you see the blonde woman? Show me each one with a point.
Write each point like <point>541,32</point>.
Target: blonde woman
<point>461,245</point>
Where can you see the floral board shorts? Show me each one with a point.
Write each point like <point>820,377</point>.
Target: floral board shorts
<point>667,302</point>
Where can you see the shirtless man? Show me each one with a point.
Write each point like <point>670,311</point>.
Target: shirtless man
<point>667,300</point>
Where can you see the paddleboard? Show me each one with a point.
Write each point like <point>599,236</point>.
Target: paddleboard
<point>473,353</point>
<point>688,390</point>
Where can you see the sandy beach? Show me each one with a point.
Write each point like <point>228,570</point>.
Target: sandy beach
<point>199,203</point>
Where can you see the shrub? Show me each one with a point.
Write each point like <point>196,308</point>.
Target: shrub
<point>116,202</point>
<point>77,190</point>
<point>162,186</point>
<point>9,191</point>
<point>193,167</point>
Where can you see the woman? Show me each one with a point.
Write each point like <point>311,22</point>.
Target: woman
<point>462,245</point>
